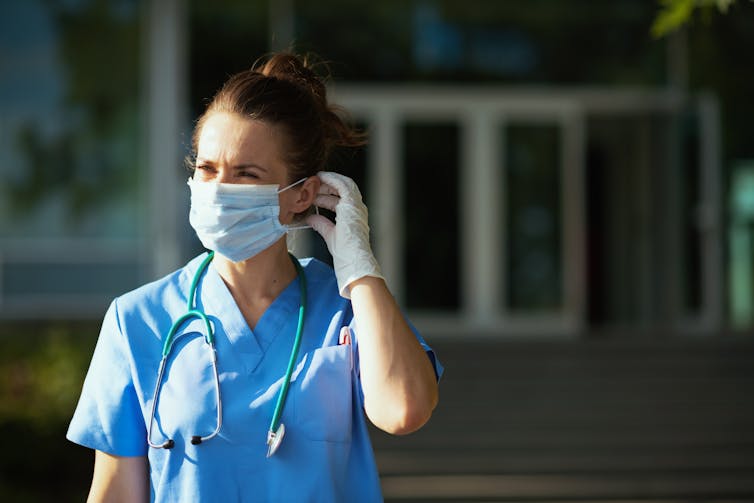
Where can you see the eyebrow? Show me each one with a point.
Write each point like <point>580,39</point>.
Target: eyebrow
<point>237,167</point>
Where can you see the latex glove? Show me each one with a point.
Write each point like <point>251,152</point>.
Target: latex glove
<point>348,238</point>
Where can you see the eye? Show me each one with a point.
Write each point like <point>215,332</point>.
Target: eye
<point>204,172</point>
<point>248,174</point>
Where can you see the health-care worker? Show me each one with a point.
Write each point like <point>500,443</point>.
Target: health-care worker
<point>246,374</point>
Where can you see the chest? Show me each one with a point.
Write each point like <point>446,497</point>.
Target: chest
<point>251,372</point>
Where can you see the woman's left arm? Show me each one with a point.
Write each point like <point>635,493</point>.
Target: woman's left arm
<point>397,376</point>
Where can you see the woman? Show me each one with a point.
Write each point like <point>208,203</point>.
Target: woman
<point>274,409</point>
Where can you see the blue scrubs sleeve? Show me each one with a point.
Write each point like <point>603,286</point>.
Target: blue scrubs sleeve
<point>439,369</point>
<point>108,417</point>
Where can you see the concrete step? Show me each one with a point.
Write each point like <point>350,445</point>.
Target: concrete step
<point>679,486</point>
<point>582,421</point>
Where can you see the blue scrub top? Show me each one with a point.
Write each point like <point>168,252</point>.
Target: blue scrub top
<point>326,454</point>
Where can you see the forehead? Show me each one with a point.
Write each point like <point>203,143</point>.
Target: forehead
<point>230,138</point>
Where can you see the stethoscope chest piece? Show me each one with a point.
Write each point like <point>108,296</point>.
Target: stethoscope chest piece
<point>274,438</point>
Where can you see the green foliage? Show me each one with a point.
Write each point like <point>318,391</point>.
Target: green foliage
<point>41,371</point>
<point>42,368</point>
<point>674,14</point>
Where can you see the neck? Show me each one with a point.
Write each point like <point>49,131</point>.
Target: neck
<point>256,282</point>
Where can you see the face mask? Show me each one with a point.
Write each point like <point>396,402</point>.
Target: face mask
<point>236,220</point>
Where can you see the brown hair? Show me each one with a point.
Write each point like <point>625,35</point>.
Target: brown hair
<point>286,92</point>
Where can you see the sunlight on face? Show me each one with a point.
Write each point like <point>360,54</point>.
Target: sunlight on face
<point>232,149</point>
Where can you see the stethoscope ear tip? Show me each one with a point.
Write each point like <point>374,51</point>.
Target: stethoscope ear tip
<point>196,440</point>
<point>169,444</point>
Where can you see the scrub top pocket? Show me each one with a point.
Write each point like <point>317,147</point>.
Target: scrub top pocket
<point>323,394</point>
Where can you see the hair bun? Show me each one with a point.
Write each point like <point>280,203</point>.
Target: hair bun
<point>291,68</point>
<point>299,71</point>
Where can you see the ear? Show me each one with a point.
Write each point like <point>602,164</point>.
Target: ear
<point>306,195</point>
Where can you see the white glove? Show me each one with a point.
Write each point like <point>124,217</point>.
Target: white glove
<point>348,238</point>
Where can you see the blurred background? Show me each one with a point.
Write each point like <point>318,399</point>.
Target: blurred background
<point>561,196</point>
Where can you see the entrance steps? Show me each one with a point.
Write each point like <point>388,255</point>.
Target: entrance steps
<point>583,420</point>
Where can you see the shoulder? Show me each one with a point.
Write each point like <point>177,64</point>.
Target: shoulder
<point>324,296</point>
<point>320,274</point>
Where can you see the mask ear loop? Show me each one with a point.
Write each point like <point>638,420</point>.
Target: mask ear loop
<point>289,228</point>
<point>301,227</point>
<point>293,184</point>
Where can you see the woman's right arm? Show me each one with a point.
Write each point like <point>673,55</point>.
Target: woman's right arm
<point>119,479</point>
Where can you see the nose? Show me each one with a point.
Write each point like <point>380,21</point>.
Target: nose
<point>223,175</point>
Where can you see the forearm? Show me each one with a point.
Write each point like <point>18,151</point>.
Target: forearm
<point>400,388</point>
<point>399,383</point>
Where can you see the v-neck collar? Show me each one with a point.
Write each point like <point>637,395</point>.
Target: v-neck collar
<point>223,310</point>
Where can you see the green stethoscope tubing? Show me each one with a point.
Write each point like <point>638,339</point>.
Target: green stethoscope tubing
<point>209,337</point>
<point>275,422</point>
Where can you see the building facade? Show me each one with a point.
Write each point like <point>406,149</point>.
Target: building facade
<point>504,200</point>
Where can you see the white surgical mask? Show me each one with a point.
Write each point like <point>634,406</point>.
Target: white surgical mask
<point>236,220</point>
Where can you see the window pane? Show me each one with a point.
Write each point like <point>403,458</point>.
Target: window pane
<point>479,40</point>
<point>533,218</point>
<point>691,246</point>
<point>431,212</point>
<point>227,36</point>
<point>69,119</point>
<point>741,245</point>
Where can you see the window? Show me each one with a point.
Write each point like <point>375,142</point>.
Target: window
<point>69,152</point>
<point>532,223</point>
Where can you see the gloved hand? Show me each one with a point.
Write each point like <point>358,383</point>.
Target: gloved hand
<point>348,238</point>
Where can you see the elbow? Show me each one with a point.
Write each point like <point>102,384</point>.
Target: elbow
<point>410,421</point>
<point>405,417</point>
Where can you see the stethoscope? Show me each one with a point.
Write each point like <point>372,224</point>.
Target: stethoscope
<point>277,429</point>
